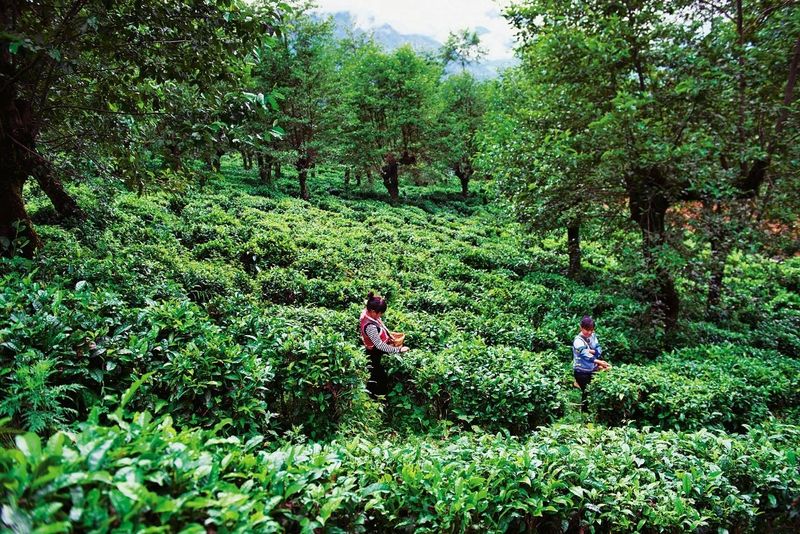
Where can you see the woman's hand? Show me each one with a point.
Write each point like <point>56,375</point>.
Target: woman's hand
<point>403,349</point>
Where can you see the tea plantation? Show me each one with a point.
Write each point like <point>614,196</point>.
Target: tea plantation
<point>189,362</point>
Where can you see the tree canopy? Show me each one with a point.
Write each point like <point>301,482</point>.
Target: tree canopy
<point>653,104</point>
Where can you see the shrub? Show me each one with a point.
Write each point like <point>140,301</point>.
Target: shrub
<point>202,373</point>
<point>283,285</point>
<point>721,385</point>
<point>51,349</point>
<point>268,247</point>
<point>142,473</point>
<point>319,377</point>
<point>500,387</point>
<point>205,280</point>
<point>766,370</point>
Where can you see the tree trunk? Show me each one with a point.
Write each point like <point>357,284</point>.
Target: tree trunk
<point>574,250</point>
<point>464,173</point>
<point>17,141</point>
<point>648,205</point>
<point>302,166</point>
<point>17,234</point>
<point>347,176</point>
<point>65,205</point>
<point>264,168</point>
<point>302,175</point>
<point>389,173</point>
<point>247,159</point>
<point>216,160</point>
<point>750,182</point>
<point>719,256</point>
<point>278,169</point>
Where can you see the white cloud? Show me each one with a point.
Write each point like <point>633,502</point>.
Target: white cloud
<point>435,18</point>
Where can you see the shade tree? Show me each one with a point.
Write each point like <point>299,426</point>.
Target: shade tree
<point>300,68</point>
<point>463,104</point>
<point>687,102</point>
<point>536,143</point>
<point>388,110</point>
<point>75,76</point>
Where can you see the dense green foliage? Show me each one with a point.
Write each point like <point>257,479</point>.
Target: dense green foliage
<point>623,111</point>
<point>496,387</point>
<point>179,351</point>
<point>717,385</point>
<point>140,472</point>
<point>238,303</point>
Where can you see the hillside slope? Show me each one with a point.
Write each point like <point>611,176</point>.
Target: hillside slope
<point>194,342</point>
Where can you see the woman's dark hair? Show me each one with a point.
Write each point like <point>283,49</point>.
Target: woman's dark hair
<point>375,303</point>
<point>587,323</point>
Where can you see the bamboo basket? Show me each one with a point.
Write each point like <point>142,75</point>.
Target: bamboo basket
<point>398,338</point>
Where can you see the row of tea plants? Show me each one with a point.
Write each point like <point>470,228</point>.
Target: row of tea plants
<point>141,472</point>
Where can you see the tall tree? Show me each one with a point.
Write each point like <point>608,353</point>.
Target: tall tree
<point>73,74</point>
<point>300,68</point>
<point>536,142</point>
<point>357,142</point>
<point>663,83</point>
<point>389,104</point>
<point>463,105</point>
<point>746,120</point>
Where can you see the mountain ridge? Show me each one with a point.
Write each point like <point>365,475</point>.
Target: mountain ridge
<point>387,36</point>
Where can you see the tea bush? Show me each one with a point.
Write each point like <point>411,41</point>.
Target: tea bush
<point>319,376</point>
<point>239,304</point>
<point>202,374</point>
<point>144,474</point>
<point>454,273</point>
<point>52,345</point>
<point>495,386</point>
<point>63,350</point>
<point>141,472</point>
<point>720,385</point>
<point>767,370</point>
<point>576,477</point>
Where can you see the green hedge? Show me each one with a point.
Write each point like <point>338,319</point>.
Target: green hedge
<point>143,473</point>
<point>725,386</point>
<point>499,387</point>
<point>63,350</point>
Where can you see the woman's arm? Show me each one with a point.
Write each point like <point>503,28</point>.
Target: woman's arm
<point>375,337</point>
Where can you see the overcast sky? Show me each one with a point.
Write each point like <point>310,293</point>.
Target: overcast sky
<point>435,18</point>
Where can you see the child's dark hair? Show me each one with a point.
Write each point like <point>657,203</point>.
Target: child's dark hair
<point>587,323</point>
<point>375,303</point>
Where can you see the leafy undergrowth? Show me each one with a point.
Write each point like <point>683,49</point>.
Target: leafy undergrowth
<point>238,304</point>
<point>142,472</point>
<point>717,385</point>
<point>495,387</point>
